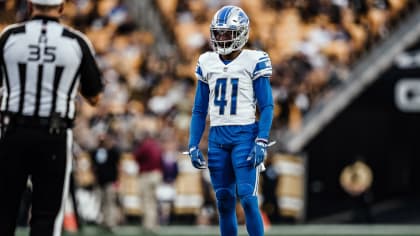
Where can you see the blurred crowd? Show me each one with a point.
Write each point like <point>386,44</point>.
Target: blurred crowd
<point>312,43</point>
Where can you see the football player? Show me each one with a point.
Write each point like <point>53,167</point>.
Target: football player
<point>232,81</point>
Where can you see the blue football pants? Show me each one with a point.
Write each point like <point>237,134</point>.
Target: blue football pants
<point>231,175</point>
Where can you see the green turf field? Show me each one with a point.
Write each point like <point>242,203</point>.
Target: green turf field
<point>296,230</point>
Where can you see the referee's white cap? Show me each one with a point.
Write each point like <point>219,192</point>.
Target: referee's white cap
<point>47,2</point>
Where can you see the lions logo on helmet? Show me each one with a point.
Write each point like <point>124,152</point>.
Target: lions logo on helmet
<point>229,30</point>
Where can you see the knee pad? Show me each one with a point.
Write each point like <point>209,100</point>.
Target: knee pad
<point>246,194</point>
<point>249,203</point>
<point>246,190</point>
<point>225,200</point>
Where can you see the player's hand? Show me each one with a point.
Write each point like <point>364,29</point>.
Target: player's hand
<point>197,158</point>
<point>258,152</point>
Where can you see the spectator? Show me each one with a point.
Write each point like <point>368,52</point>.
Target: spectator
<point>105,162</point>
<point>149,158</point>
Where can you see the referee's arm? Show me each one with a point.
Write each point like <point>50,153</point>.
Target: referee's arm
<point>2,40</point>
<point>90,76</point>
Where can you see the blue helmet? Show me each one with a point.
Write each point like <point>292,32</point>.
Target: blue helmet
<point>229,30</point>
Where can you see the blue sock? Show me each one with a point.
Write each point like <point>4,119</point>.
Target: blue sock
<point>254,226</point>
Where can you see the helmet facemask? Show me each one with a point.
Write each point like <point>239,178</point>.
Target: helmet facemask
<point>225,41</point>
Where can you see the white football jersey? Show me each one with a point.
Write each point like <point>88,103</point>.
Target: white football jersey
<point>231,99</point>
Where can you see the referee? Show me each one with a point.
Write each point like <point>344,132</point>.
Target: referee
<point>42,66</point>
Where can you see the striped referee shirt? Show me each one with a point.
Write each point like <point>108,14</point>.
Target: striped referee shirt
<point>42,64</point>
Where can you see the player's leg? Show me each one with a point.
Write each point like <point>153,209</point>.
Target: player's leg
<point>13,177</point>
<point>247,182</point>
<point>223,181</point>
<point>50,180</point>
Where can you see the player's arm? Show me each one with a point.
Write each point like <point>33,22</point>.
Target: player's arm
<point>199,113</point>
<point>3,38</point>
<point>1,69</point>
<point>1,77</point>
<point>4,35</point>
<point>90,80</point>
<point>262,90</point>
<point>198,119</point>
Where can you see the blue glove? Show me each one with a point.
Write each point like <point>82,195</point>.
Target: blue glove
<point>197,158</point>
<point>258,152</point>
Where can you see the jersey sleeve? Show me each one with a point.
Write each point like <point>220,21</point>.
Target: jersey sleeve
<point>1,72</point>
<point>4,35</point>
<point>2,39</point>
<point>263,93</point>
<point>1,79</point>
<point>199,113</point>
<point>91,82</point>
<point>199,73</point>
<point>263,66</point>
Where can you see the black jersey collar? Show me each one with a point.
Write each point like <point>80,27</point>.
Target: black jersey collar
<point>45,18</point>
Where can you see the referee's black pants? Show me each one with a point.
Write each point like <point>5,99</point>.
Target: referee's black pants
<point>47,159</point>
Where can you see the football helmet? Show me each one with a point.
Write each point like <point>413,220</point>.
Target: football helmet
<point>229,30</point>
